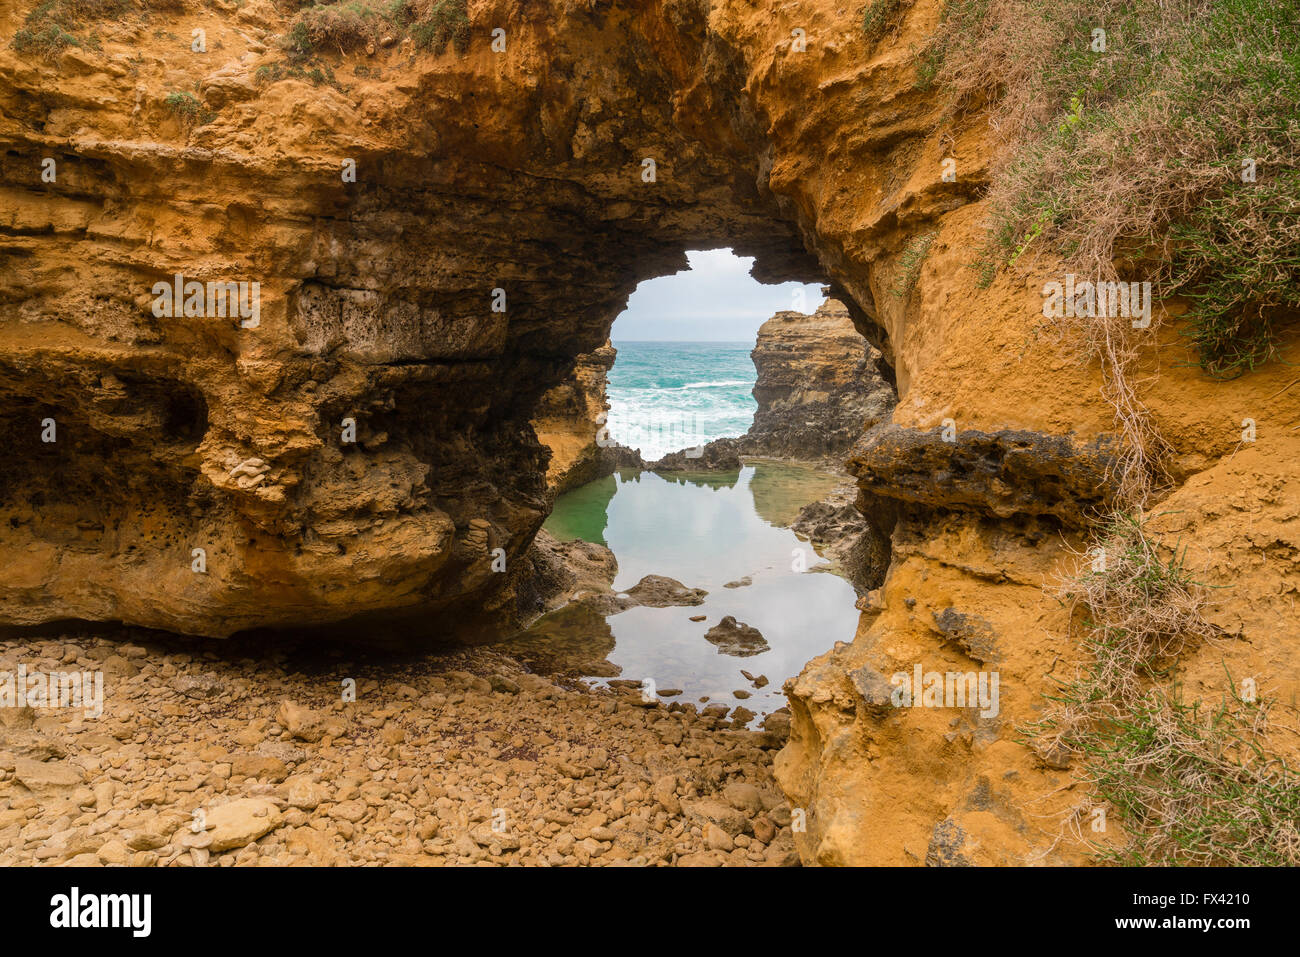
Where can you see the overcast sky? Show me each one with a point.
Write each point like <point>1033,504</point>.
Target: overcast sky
<point>715,300</point>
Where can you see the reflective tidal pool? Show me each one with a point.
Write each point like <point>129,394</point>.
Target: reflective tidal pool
<point>706,530</point>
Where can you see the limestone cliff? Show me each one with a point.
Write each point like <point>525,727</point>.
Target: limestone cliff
<point>504,205</point>
<point>569,421</point>
<point>433,238</point>
<point>819,385</point>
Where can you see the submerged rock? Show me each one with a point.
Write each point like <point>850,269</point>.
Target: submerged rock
<point>736,638</point>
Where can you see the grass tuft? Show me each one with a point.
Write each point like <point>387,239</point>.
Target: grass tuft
<point>52,26</point>
<point>1191,785</point>
<point>909,264</point>
<point>879,18</point>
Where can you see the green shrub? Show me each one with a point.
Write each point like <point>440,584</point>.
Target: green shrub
<point>298,40</point>
<point>188,108</point>
<point>339,26</point>
<point>183,104</point>
<point>446,21</point>
<point>46,41</point>
<point>1131,159</point>
<point>51,26</point>
<point>343,27</point>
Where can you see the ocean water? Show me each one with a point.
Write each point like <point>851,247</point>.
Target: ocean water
<point>666,396</point>
<point>707,530</point>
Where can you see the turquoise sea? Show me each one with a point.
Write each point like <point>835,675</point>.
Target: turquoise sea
<point>666,396</point>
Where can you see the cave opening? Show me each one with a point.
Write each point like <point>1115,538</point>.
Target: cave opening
<point>728,396</point>
<point>683,373</point>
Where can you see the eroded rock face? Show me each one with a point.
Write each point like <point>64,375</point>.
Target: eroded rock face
<point>558,572</point>
<point>362,445</point>
<point>1006,473</point>
<point>819,385</point>
<point>569,416</point>
<point>843,534</point>
<point>570,420</point>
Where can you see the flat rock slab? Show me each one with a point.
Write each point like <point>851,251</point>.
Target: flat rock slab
<point>240,822</point>
<point>45,776</point>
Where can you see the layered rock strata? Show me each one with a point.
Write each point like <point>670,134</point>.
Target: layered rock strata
<point>570,420</point>
<point>819,386</point>
<point>777,131</point>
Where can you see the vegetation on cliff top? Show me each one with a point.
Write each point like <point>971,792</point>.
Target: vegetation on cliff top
<point>1145,139</point>
<point>1162,137</point>
<point>1192,785</point>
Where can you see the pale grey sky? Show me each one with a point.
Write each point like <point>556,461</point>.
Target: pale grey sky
<point>714,301</point>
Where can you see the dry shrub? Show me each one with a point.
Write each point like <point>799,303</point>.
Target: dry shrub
<point>352,25</point>
<point>439,22</point>
<point>1127,164</point>
<point>1138,613</point>
<point>1193,786</point>
<point>336,26</point>
<point>879,18</point>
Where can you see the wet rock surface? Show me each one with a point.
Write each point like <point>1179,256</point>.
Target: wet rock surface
<point>462,759</point>
<point>558,572</point>
<point>736,638</point>
<point>652,591</point>
<point>840,532</point>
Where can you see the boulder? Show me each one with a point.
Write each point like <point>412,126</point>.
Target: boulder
<point>736,638</point>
